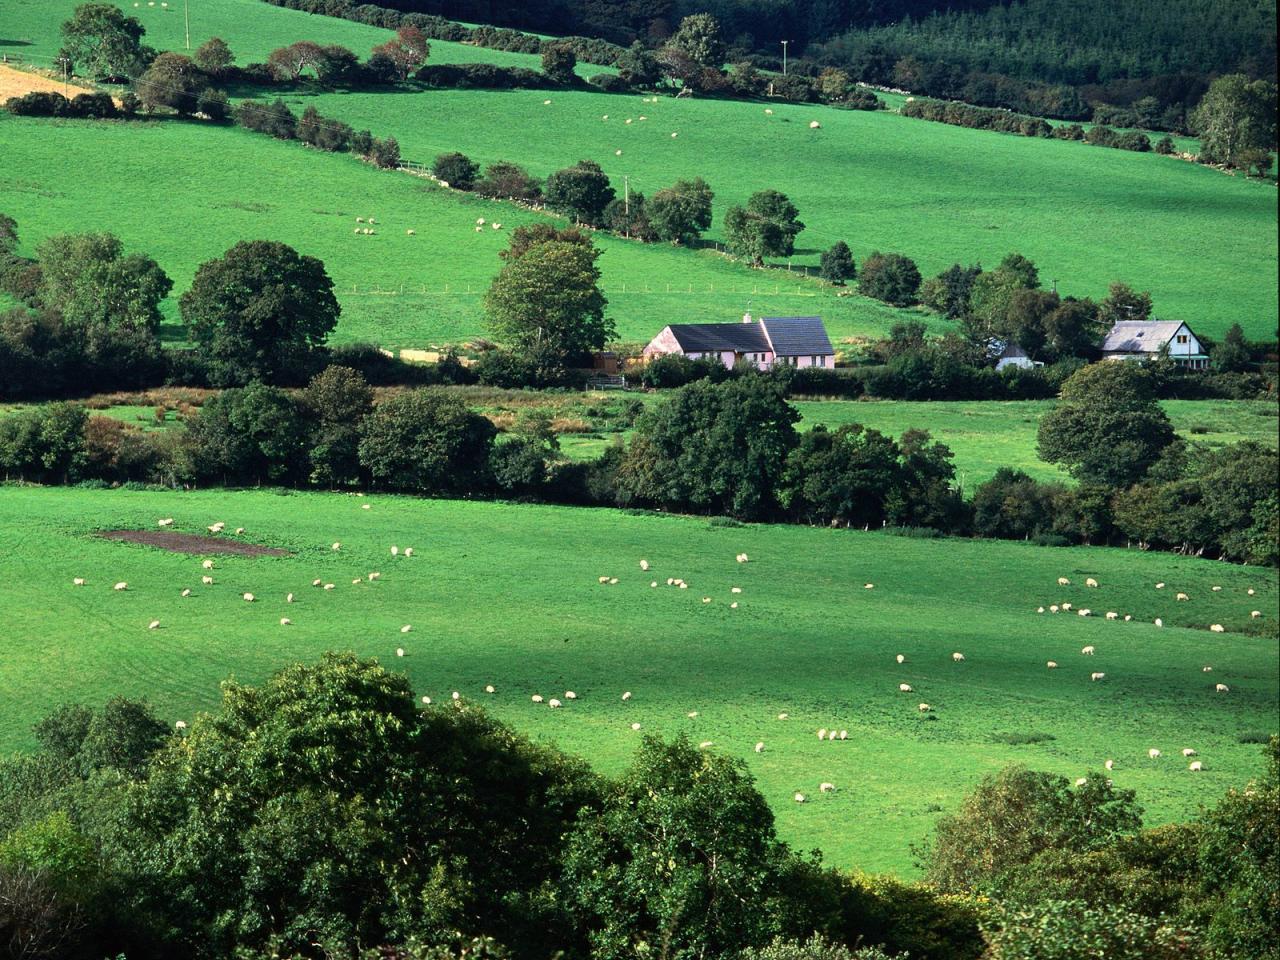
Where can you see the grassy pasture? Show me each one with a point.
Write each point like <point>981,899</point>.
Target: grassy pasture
<point>1203,243</point>
<point>808,640</point>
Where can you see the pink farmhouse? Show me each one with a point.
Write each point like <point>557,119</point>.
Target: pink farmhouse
<point>788,341</point>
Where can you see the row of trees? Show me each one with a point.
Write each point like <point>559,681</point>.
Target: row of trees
<point>324,813</point>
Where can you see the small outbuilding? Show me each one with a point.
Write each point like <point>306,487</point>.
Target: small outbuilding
<point>1151,339</point>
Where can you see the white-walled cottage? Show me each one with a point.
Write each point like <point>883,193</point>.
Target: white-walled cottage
<point>788,341</point>
<point>1147,339</point>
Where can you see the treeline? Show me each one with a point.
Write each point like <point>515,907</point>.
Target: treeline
<point>1004,121</point>
<point>382,825</point>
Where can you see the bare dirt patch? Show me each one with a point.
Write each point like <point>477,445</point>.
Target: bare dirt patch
<point>16,83</point>
<point>192,543</point>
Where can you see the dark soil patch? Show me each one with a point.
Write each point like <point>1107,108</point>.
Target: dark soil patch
<point>192,543</point>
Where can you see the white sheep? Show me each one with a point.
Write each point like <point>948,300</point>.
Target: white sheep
<point>408,551</point>
<point>1195,766</point>
<point>1097,676</point>
<point>1039,609</point>
<point>1112,615</point>
<point>1128,617</point>
<point>644,565</point>
<point>426,701</point>
<point>553,703</point>
<point>706,599</point>
<point>366,506</point>
<point>735,589</point>
<point>399,651</point>
<point>359,219</point>
<point>900,658</point>
<point>783,716</point>
<point>635,726</point>
<point>957,657</point>
<point>691,714</point>
<point>166,522</point>
<point>603,579</point>
<point>1066,606</point>
<point>1090,582</point>
<point>1109,764</point>
<point>924,708</point>
<point>1160,586</point>
<point>546,103</point>
<point>121,586</point>
<point>411,233</point>
<point>489,688</point>
<point>285,621</point>
<point>208,564</point>
<point>1064,582</point>
<point>336,546</point>
<point>1255,614</point>
<point>1188,752</point>
<point>1217,627</point>
<point>329,586</point>
<point>78,582</point>
<point>826,787</point>
<point>395,550</point>
<point>1158,622</point>
<point>1181,596</point>
<point>768,112</point>
<point>1222,688</point>
<point>868,586</point>
<point>1081,781</point>
<point>905,688</point>
<point>315,583</point>
<point>455,695</point>
<point>154,624</point>
<point>496,226</point>
<point>1087,651</point>
<point>626,696</point>
<point>1206,669</point>
<point>239,531</point>
<point>1250,591</point>
<point>1052,664</point>
<point>248,598</point>
<point>536,698</point>
<point>1216,589</point>
<point>674,135</point>
<point>613,581</point>
<point>406,628</point>
<point>180,725</point>
<point>814,125</point>
<point>760,747</point>
<point>186,592</point>
<point>570,695</point>
<point>355,581</point>
<point>742,558</point>
<point>822,734</point>
<point>288,598</point>
<point>1085,612</point>
<point>705,745</point>
<point>799,798</point>
<point>1053,608</point>
<point>1153,753</point>
<point>734,605</point>
<point>844,734</point>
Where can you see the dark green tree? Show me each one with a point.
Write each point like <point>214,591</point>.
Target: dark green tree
<point>102,43</point>
<point>259,312</point>
<point>681,212</point>
<point>1108,427</point>
<point>1232,355</point>
<point>890,277</point>
<point>843,476</point>
<point>559,63</point>
<point>700,40</point>
<point>1123,303</point>
<point>253,435</point>
<point>581,192</point>
<point>337,400</point>
<point>713,448</point>
<point>550,296</point>
<point>1236,115</point>
<point>629,217</point>
<point>766,227</point>
<point>428,442</point>
<point>836,265</point>
<point>456,169</point>
<point>214,57</point>
<point>172,81</point>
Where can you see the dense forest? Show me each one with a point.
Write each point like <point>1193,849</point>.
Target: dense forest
<point>1123,62</point>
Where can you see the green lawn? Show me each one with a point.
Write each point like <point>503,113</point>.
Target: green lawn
<point>1203,243</point>
<point>808,640</point>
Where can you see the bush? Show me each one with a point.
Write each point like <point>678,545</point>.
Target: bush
<point>274,119</point>
<point>1165,146</point>
<point>609,83</point>
<point>427,442</point>
<point>39,103</point>
<point>456,169</point>
<point>509,181</point>
<point>890,277</point>
<point>479,76</point>
<point>667,370</point>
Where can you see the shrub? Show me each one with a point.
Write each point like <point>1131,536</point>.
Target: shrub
<point>890,277</point>
<point>39,103</point>
<point>609,83</point>
<point>427,442</point>
<point>456,169</point>
<point>275,118</point>
<point>508,181</point>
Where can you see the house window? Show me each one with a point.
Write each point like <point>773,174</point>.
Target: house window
<point>1182,338</point>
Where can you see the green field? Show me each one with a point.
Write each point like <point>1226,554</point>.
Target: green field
<point>1203,243</point>
<point>508,595</point>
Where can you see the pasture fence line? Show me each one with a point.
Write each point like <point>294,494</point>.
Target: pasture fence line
<point>618,289</point>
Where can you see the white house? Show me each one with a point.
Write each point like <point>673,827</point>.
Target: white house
<point>1147,339</point>
<point>789,341</point>
<point>1012,355</point>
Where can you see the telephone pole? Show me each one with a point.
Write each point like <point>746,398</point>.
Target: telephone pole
<point>784,57</point>
<point>186,17</point>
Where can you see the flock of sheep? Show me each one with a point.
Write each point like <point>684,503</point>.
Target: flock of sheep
<point>677,583</point>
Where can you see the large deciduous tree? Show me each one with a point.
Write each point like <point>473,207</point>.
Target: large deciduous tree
<point>259,311</point>
<point>766,227</point>
<point>581,192</point>
<point>404,52</point>
<point>699,39</point>
<point>427,442</point>
<point>548,296</point>
<point>890,277</point>
<point>681,212</point>
<point>101,42</point>
<point>1236,118</point>
<point>172,81</point>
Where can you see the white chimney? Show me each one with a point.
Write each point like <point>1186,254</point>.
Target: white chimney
<point>746,317</point>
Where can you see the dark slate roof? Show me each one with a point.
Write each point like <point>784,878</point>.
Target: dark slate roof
<point>798,336</point>
<point>717,337</point>
<point>1140,336</point>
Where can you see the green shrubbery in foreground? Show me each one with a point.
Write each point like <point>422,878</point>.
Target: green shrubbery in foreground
<point>327,814</point>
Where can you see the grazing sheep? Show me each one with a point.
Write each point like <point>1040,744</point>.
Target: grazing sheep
<point>1087,651</point>
<point>395,550</point>
<point>1039,609</point>
<point>1188,752</point>
<point>705,745</point>
<point>1090,582</point>
<point>570,695</point>
<point>653,583</point>
<point>1064,582</point>
<point>406,628</point>
<point>814,125</point>
<point>78,582</point>
<point>357,231</point>
<point>605,117</point>
<point>627,121</point>
<point>735,589</point>
<point>1206,669</point>
<point>1053,608</point>
<point>1066,606</point>
<point>674,135</point>
<point>426,701</point>
<point>642,118</point>
<point>742,558</point>
<point>1128,617</point>
<point>285,621</point>
<point>479,221</point>
<point>635,726</point>
<point>844,735</point>
<point>691,714</point>
<point>1255,614</point>
<point>627,695</point>
<point>603,579</point>
<point>546,103</point>
<point>355,581</point>
<point>768,112</point>
<point>366,506</point>
<point>799,798</point>
<point>1085,613</point>
<point>248,598</point>
<point>905,688</point>
<point>315,583</point>
<point>166,522</point>
<point>121,586</point>
<point>1109,764</point>
<point>336,546</point>
<point>359,219</point>
<point>734,605</point>
<point>553,703</point>
<point>239,531</point>
<point>208,564</point>
<point>957,657</point>
<point>682,585</point>
<point>644,565</point>
<point>455,695</point>
<point>329,586</point>
<point>372,220</point>
<point>760,747</point>
<point>706,599</point>
<point>783,716</point>
<point>1052,664</point>
<point>1153,753</point>
<point>1222,688</point>
<point>924,708</point>
<point>536,698</point>
<point>1250,591</point>
<point>822,734</point>
<point>489,688</point>
<point>826,787</point>
<point>900,658</point>
<point>1195,766</point>
<point>1216,589</point>
<point>408,551</point>
<point>613,581</point>
<point>180,725</point>
<point>399,651</point>
<point>1158,622</point>
<point>207,581</point>
<point>1097,676</point>
<point>1081,781</point>
<point>1182,596</point>
<point>868,586</point>
<point>1160,586</point>
<point>186,593</point>
<point>1217,627</point>
<point>1112,615</point>
<point>153,624</point>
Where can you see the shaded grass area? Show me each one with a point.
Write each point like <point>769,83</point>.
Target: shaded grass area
<point>508,595</point>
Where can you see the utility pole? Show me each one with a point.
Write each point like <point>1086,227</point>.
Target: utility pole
<point>186,17</point>
<point>626,202</point>
<point>784,57</point>
<point>66,80</point>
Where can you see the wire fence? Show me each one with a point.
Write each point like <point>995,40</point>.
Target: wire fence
<point>609,289</point>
